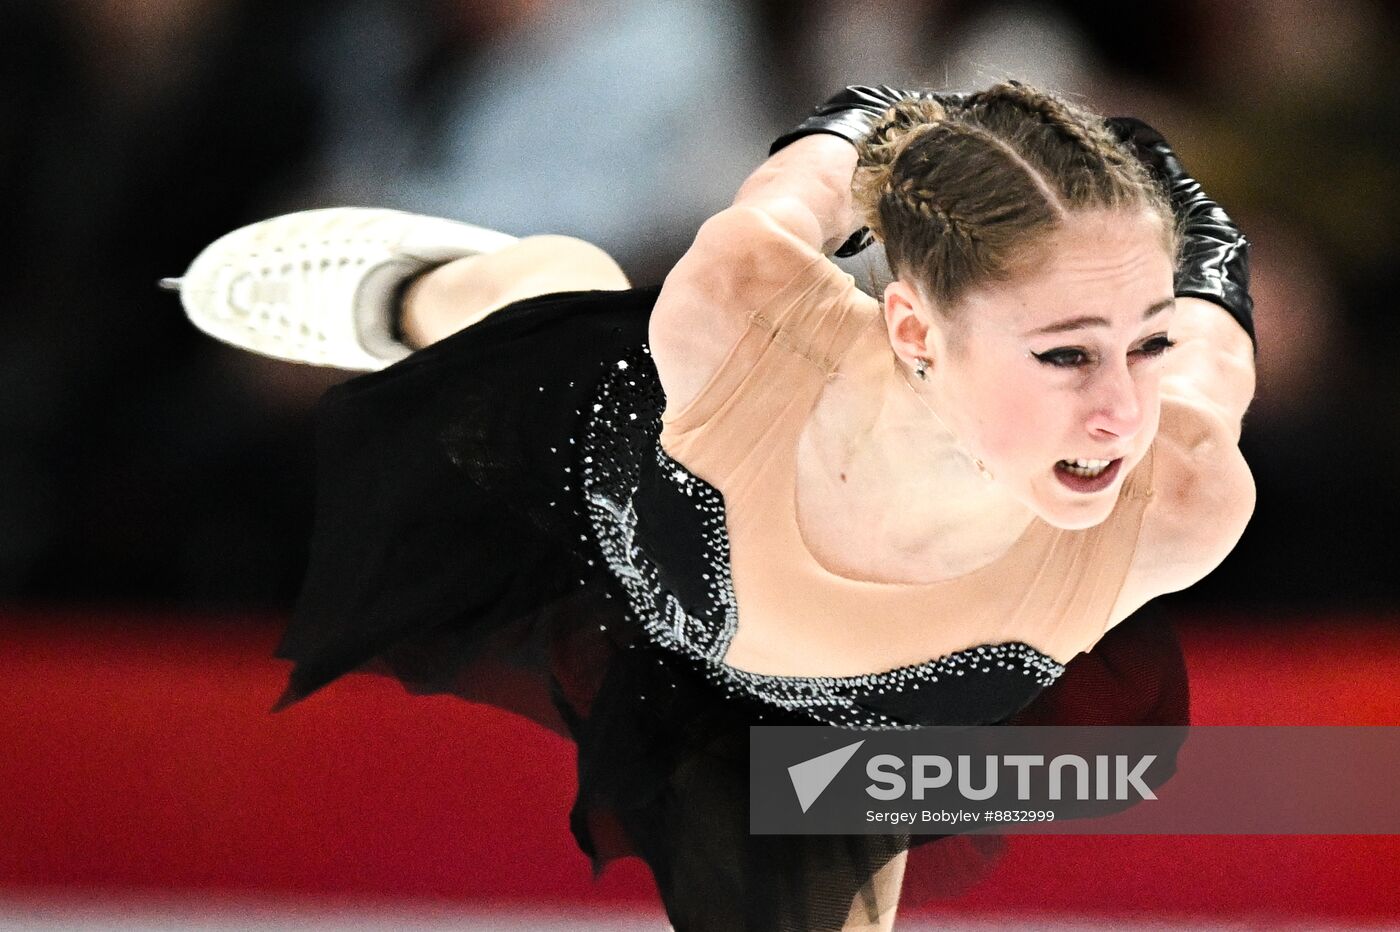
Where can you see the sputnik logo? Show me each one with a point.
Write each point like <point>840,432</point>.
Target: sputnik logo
<point>811,777</point>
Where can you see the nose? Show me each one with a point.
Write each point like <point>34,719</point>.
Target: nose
<point>1117,410</point>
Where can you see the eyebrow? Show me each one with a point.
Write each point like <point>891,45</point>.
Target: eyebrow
<point>1076,323</point>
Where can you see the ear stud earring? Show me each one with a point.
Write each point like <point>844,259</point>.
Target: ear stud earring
<point>921,365</point>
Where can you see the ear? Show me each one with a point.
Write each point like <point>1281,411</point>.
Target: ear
<point>908,320</point>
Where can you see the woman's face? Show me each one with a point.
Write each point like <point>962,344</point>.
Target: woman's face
<point>1063,365</point>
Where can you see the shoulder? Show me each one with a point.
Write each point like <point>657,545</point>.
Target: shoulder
<point>1203,496</point>
<point>741,253</point>
<point>741,259</point>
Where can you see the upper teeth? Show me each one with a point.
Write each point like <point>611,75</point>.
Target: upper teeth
<point>1088,464</point>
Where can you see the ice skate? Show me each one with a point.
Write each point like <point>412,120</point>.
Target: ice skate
<point>321,286</point>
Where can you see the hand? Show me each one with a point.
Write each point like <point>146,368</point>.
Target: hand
<point>854,111</point>
<point>851,114</point>
<point>1215,256</point>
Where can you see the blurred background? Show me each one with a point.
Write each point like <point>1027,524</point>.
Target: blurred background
<point>152,475</point>
<point>144,463</point>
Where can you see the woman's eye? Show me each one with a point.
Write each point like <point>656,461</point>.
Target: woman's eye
<point>1063,358</point>
<point>1074,358</point>
<point>1157,346</point>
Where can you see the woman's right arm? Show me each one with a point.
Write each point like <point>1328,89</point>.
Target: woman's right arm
<point>806,189</point>
<point>793,209</point>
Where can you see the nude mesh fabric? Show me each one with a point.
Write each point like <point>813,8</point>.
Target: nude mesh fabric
<point>1054,589</point>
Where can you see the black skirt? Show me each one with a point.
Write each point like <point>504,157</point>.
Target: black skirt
<point>452,551</point>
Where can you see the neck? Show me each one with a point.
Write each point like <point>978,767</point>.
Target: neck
<point>915,486</point>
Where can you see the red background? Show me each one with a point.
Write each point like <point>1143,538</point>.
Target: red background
<point>140,759</point>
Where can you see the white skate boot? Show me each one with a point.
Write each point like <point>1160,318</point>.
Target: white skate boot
<point>321,286</point>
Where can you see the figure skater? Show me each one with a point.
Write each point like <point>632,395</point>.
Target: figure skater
<point>649,518</point>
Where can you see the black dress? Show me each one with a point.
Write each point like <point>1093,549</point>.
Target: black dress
<point>496,519</point>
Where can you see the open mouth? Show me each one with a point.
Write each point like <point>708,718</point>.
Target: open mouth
<point>1087,475</point>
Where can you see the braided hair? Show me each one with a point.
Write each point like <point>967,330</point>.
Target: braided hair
<point>966,194</point>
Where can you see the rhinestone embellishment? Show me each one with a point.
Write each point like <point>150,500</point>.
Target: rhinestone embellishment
<point>624,427</point>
